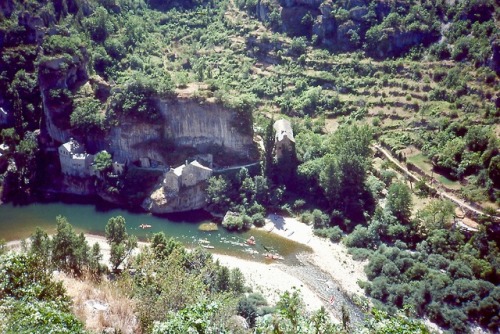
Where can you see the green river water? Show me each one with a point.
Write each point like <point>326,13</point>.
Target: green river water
<point>19,222</point>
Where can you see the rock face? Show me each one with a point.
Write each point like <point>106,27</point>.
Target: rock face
<point>186,123</point>
<point>200,126</point>
<point>342,25</point>
<point>182,189</point>
<point>190,198</point>
<point>56,77</point>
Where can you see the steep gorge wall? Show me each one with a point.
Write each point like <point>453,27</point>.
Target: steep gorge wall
<point>201,126</point>
<point>185,123</point>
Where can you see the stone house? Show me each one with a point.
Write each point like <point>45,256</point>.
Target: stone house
<point>75,160</point>
<point>187,175</point>
<point>284,140</point>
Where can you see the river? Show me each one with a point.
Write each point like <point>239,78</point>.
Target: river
<point>20,221</point>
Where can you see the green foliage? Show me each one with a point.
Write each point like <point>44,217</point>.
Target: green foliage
<point>31,301</point>
<point>217,190</point>
<point>332,233</point>
<point>399,201</point>
<point>120,241</point>
<point>199,318</point>
<point>289,317</point>
<point>23,276</point>
<point>383,323</point>
<point>236,222</point>
<point>298,46</point>
<point>99,25</point>
<point>183,285</point>
<point>103,161</point>
<point>437,214</point>
<point>443,277</point>
<point>252,306</point>
<point>140,91</point>
<point>88,117</point>
<point>68,46</point>
<point>39,317</point>
<point>69,250</point>
<point>345,167</point>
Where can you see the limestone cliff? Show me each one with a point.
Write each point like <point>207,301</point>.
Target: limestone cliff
<point>343,25</point>
<point>185,124</point>
<point>201,126</point>
<point>58,76</point>
<point>184,127</point>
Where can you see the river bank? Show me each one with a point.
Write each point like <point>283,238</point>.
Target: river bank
<point>327,276</point>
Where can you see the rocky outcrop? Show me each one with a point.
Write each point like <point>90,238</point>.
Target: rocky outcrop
<point>298,20</point>
<point>342,25</point>
<point>201,126</point>
<point>58,76</point>
<point>186,123</point>
<point>189,198</point>
<point>397,42</point>
<point>262,10</point>
<point>6,7</point>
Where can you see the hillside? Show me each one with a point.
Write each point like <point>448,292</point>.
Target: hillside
<point>156,84</point>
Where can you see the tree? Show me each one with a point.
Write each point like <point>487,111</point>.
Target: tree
<point>217,190</point>
<point>223,279</point>
<point>99,24</point>
<point>103,162</point>
<point>237,281</point>
<point>248,310</point>
<point>291,318</point>
<point>399,201</point>
<point>69,251</point>
<point>269,141</point>
<point>494,171</point>
<point>95,266</point>
<point>41,246</point>
<point>88,116</point>
<point>121,243</point>
<point>344,169</point>
<point>435,215</point>
<point>115,230</point>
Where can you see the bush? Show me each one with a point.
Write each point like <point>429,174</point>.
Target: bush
<point>40,317</point>
<point>88,116</point>
<point>360,254</point>
<point>332,233</point>
<point>258,219</point>
<point>298,46</point>
<point>236,222</point>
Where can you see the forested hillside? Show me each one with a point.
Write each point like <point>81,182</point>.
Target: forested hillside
<point>420,78</point>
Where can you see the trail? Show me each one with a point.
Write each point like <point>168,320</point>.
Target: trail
<point>442,193</point>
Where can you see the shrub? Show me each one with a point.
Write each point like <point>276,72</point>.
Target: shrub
<point>332,233</point>
<point>360,254</point>
<point>298,46</point>
<point>258,219</point>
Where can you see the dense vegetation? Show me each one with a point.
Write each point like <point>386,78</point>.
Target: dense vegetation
<point>172,290</point>
<point>420,77</point>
